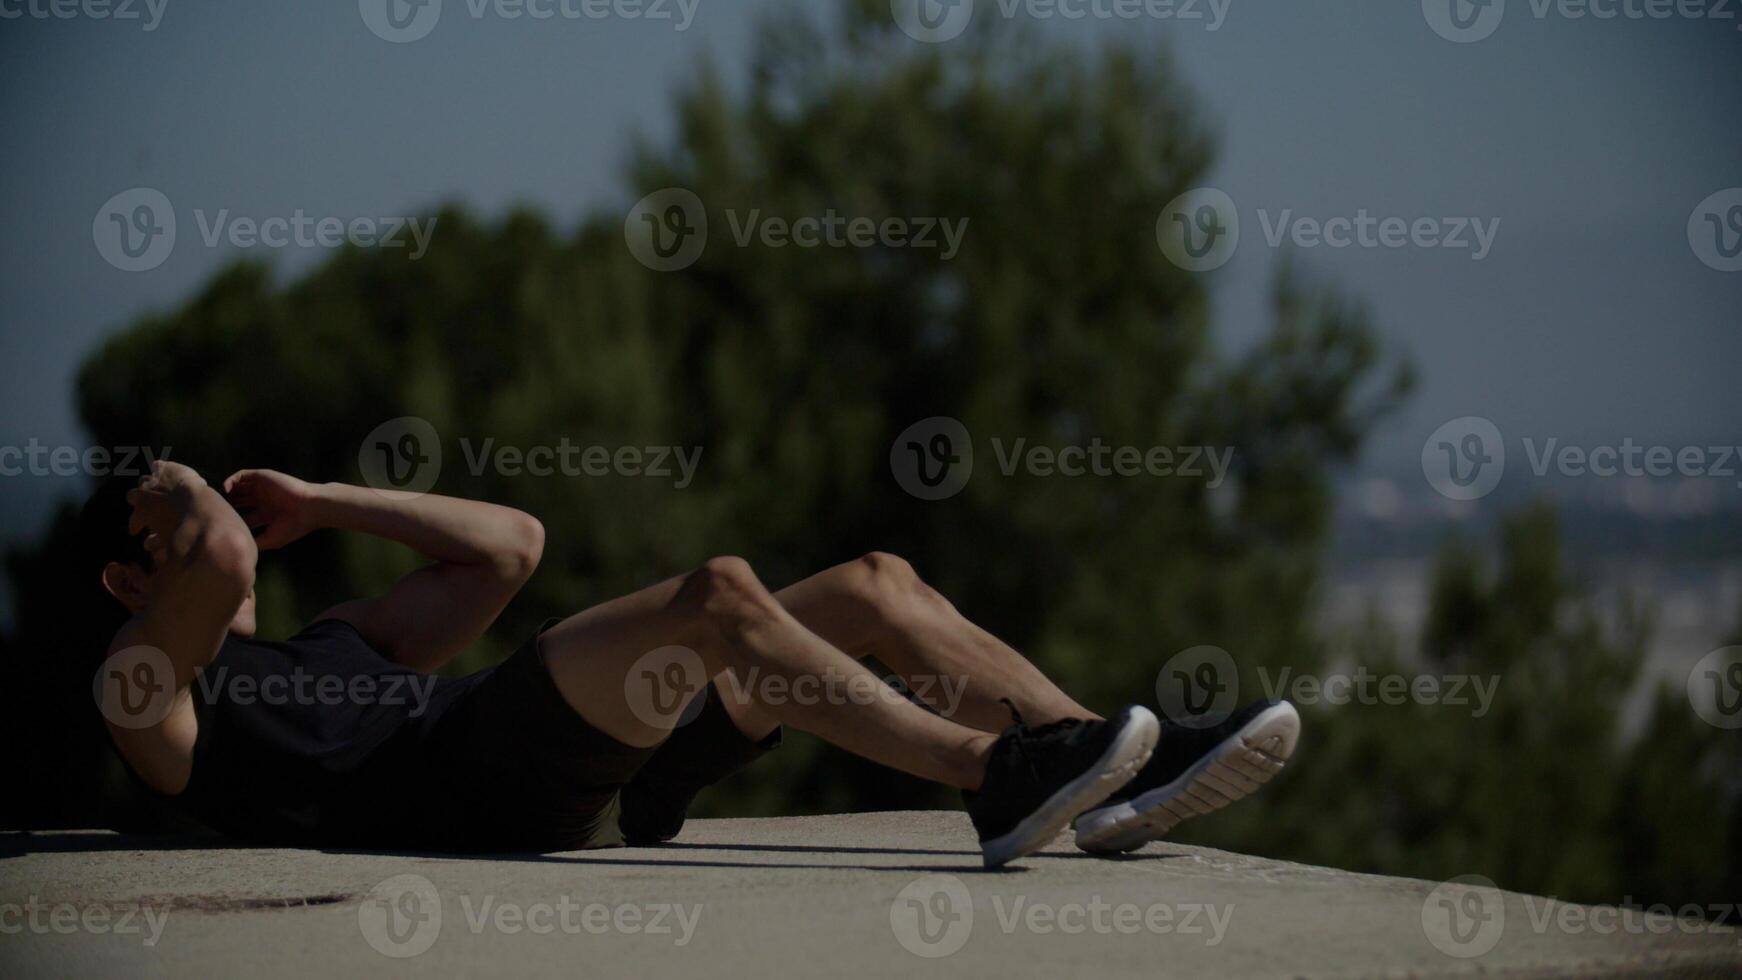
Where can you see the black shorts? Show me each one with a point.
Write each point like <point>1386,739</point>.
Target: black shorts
<point>511,766</point>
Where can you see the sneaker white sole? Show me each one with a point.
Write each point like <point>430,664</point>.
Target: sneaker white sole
<point>1232,770</point>
<point>1120,761</point>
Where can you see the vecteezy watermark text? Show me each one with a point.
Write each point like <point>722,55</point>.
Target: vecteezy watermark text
<point>1200,230</point>
<point>136,687</point>
<point>1466,917</point>
<point>149,13</point>
<point>668,230</point>
<point>403,916</point>
<point>934,916</point>
<point>1101,459</point>
<point>1200,686</point>
<point>36,458</point>
<point>41,918</point>
<point>303,231</point>
<point>135,231</point>
<point>933,459</point>
<point>1364,230</point>
<point>835,230</point>
<point>937,21</point>
<point>403,21</point>
<point>571,459</point>
<point>1465,458</point>
<point>664,688</point>
<point>404,455</point>
<point>1469,21</point>
<point>1366,687</point>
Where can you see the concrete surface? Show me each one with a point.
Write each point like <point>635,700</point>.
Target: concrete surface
<point>886,894</point>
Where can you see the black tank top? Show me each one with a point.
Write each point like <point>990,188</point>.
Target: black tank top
<point>314,740</point>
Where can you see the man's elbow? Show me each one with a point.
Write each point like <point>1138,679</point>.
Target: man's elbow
<point>229,555</point>
<point>524,547</point>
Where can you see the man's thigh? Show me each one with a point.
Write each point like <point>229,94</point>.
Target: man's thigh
<point>515,768</point>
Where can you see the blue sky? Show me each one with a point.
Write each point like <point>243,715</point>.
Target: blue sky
<point>1591,141</point>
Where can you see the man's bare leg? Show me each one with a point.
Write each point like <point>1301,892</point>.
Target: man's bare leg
<point>1028,790</point>
<point>878,606</point>
<point>723,614</point>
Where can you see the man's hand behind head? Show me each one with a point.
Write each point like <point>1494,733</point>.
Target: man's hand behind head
<point>160,502</point>
<point>274,504</point>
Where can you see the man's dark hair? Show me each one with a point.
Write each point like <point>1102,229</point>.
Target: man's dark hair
<point>103,535</point>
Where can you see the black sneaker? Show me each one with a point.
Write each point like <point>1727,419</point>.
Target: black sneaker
<point>1193,771</point>
<point>1039,778</point>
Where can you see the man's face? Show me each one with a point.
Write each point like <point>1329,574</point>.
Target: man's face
<point>133,586</point>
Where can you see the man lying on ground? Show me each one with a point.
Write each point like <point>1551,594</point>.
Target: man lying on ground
<point>574,741</point>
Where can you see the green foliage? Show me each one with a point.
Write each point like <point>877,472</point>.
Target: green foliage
<point>1540,792</point>
<point>1679,823</point>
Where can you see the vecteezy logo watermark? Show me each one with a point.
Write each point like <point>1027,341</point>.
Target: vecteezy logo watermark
<point>303,231</point>
<point>1715,230</point>
<point>400,21</point>
<point>36,458</point>
<point>134,688</point>
<point>932,21</point>
<point>1715,687</point>
<point>1464,917</point>
<point>664,686</point>
<point>933,916</point>
<point>403,21</point>
<point>1199,230</point>
<point>1463,21</point>
<point>41,918</point>
<point>402,455</point>
<point>667,230</point>
<point>933,458</point>
<point>149,12</point>
<point>1198,686</point>
<point>1464,458</point>
<point>135,230</point>
<point>401,916</point>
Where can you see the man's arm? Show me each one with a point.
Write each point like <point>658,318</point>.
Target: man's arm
<point>203,568</point>
<point>482,555</point>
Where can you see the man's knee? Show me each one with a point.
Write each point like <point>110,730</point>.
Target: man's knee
<point>884,581</point>
<point>727,589</point>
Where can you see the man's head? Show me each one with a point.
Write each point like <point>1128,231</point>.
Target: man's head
<point>115,559</point>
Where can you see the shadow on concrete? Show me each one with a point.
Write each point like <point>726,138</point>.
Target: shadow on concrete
<point>962,861</point>
<point>18,843</point>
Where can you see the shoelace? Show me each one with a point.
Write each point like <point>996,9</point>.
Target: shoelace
<point>1024,734</point>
